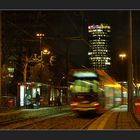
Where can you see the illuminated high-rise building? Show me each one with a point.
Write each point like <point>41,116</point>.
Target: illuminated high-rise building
<point>99,46</point>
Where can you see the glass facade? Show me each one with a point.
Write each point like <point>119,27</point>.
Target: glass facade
<point>99,46</point>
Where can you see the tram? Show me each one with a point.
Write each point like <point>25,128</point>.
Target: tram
<point>92,91</point>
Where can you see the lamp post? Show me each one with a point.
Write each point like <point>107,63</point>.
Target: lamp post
<point>40,35</point>
<point>122,56</point>
<point>0,54</point>
<point>130,66</point>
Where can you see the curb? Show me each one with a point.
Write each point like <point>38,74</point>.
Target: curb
<point>100,123</point>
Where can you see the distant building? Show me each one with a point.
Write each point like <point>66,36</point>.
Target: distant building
<point>99,46</point>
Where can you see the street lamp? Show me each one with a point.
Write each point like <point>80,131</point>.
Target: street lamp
<point>40,35</point>
<point>44,52</point>
<point>122,56</point>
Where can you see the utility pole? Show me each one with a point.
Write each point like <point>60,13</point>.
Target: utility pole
<point>130,67</point>
<point>0,54</point>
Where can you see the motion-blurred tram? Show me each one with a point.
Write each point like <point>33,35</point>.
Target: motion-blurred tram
<point>92,91</point>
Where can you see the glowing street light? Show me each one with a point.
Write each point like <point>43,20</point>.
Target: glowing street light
<point>40,35</point>
<point>122,56</point>
<point>45,52</point>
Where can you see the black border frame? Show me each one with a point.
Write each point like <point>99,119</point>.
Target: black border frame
<point>70,135</point>
<point>69,4</point>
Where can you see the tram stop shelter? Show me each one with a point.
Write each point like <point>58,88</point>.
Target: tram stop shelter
<point>35,95</point>
<point>32,94</point>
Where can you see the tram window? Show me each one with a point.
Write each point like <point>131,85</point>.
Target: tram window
<point>94,87</point>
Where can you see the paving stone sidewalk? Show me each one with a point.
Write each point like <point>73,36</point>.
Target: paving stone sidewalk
<point>116,119</point>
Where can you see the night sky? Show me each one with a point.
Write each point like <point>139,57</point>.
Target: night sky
<point>66,31</point>
<point>119,21</point>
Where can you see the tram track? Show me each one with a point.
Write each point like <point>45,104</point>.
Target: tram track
<point>23,122</point>
<point>85,126</point>
<point>88,124</point>
<point>7,122</point>
<point>60,123</point>
<point>41,120</point>
<point>63,120</point>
